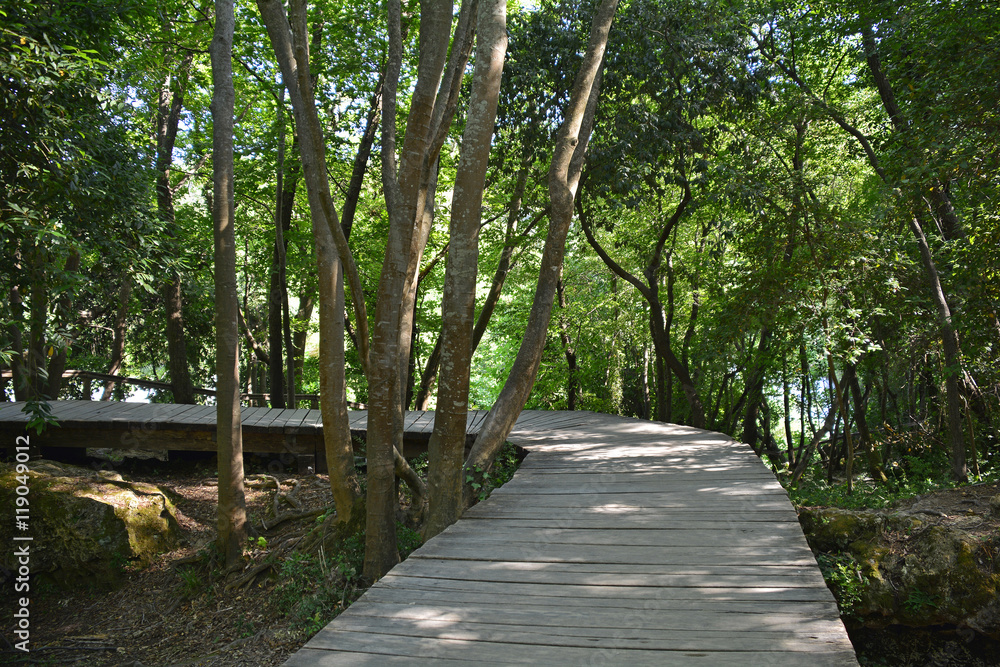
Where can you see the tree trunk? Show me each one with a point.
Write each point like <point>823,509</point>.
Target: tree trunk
<point>568,351</point>
<point>405,191</point>
<point>232,501</point>
<point>280,380</point>
<point>168,118</point>
<point>755,391</point>
<point>866,444</point>
<point>507,261</point>
<point>63,318</point>
<point>564,179</point>
<point>290,42</point>
<point>307,301</point>
<point>446,450</point>
<point>118,346</point>
<point>18,372</point>
<point>952,356</point>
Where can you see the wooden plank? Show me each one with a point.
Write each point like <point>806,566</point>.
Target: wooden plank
<point>358,420</point>
<point>82,414</point>
<point>323,658</point>
<point>199,417</point>
<point>67,410</point>
<point>409,418</point>
<point>127,413</point>
<point>620,484</point>
<point>250,414</point>
<point>476,423</point>
<point>625,503</point>
<point>313,422</point>
<point>295,421</point>
<point>659,638</point>
<point>423,423</point>
<point>660,521</point>
<point>281,419</point>
<point>666,556</point>
<point>512,652</point>
<point>692,535</point>
<point>680,589</point>
<point>170,414</point>
<point>682,630</point>
<point>11,411</point>
<point>260,418</point>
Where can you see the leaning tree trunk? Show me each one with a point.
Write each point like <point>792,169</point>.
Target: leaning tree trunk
<point>564,179</point>
<point>232,501</point>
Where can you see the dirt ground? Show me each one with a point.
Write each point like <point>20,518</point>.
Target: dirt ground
<point>171,613</point>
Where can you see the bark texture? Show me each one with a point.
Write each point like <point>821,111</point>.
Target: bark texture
<point>446,450</point>
<point>232,501</point>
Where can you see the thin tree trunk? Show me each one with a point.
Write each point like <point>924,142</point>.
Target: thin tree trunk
<point>786,395</point>
<point>446,450</point>
<point>232,501</point>
<point>568,351</point>
<point>118,345</point>
<point>952,356</point>
<point>290,41</point>
<point>18,372</point>
<point>307,301</point>
<point>63,317</point>
<point>277,311</point>
<point>564,179</point>
<point>168,118</point>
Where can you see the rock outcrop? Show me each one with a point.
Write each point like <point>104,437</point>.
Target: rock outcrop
<point>87,525</point>
<point>909,568</point>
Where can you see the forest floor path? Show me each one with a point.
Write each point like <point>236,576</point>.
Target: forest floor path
<point>617,542</point>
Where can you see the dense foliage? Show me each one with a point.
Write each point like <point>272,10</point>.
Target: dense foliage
<point>746,255</point>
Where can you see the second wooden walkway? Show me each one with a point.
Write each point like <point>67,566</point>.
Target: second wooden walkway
<point>167,426</point>
<point>618,542</point>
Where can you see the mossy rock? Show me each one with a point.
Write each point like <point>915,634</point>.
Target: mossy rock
<point>913,573</point>
<point>88,525</point>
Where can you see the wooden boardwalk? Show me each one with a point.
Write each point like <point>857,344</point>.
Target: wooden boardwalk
<point>618,542</point>
<point>108,424</point>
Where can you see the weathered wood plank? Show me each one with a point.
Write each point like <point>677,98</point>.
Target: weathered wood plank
<point>294,425</point>
<point>659,638</point>
<point>281,420</point>
<point>358,420</point>
<point>476,424</point>
<point>681,589</point>
<point>693,535</point>
<point>423,423</point>
<point>666,556</point>
<point>513,652</point>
